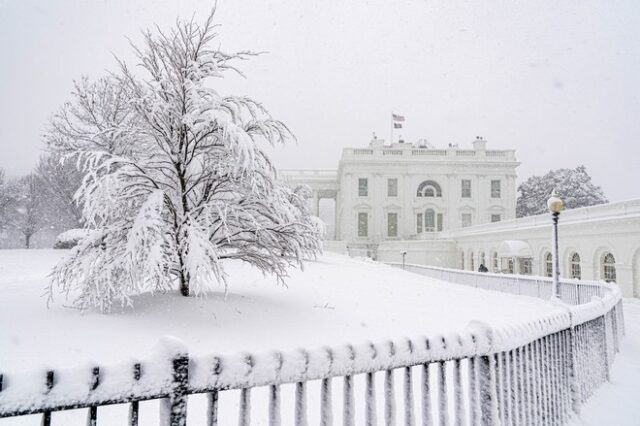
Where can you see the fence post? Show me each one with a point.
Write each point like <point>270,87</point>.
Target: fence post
<point>605,351</point>
<point>488,400</point>
<point>173,409</point>
<point>572,359</point>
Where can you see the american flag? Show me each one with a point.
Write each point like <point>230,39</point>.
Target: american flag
<point>397,117</point>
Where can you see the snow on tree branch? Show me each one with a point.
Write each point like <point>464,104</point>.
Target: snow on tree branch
<point>179,181</point>
<point>574,186</point>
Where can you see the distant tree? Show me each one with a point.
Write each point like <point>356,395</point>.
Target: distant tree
<point>60,181</point>
<point>28,214</point>
<point>574,186</point>
<point>194,187</point>
<point>7,201</point>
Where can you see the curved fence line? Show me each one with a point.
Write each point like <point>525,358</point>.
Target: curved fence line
<point>534,373</point>
<point>573,292</point>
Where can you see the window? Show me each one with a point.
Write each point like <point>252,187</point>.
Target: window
<point>496,218</point>
<point>429,188</point>
<point>548,265</point>
<point>472,262</point>
<point>392,224</point>
<point>494,261</point>
<point>466,188</point>
<point>440,220</point>
<point>466,219</point>
<point>392,187</point>
<point>429,220</point>
<point>482,259</point>
<point>609,268</point>
<point>419,223</point>
<point>576,271</point>
<point>363,187</point>
<point>525,266</point>
<point>363,224</point>
<point>461,260</point>
<point>495,189</point>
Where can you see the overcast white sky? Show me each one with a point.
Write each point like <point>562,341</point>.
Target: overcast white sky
<point>559,81</point>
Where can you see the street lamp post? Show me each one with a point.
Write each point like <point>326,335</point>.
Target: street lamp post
<point>555,206</point>
<point>404,255</point>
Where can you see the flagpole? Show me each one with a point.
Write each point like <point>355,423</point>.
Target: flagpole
<point>391,128</point>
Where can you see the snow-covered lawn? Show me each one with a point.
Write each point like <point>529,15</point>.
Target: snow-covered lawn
<point>335,300</point>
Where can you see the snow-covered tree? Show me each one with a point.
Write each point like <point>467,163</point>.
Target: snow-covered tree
<point>574,186</point>
<point>99,116</point>
<point>28,215</point>
<point>60,181</point>
<point>7,200</point>
<point>195,188</point>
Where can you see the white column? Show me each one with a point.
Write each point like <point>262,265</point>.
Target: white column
<point>452,212</point>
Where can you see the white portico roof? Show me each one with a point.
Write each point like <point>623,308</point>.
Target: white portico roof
<point>514,248</point>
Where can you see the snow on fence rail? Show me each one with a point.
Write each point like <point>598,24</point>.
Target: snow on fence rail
<point>535,373</point>
<point>573,292</point>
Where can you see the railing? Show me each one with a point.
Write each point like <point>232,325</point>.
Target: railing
<point>534,373</point>
<point>409,152</point>
<point>433,152</point>
<point>573,292</point>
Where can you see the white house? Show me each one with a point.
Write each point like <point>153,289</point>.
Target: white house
<point>455,207</point>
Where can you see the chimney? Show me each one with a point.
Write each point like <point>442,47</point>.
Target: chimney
<point>479,144</point>
<point>375,142</point>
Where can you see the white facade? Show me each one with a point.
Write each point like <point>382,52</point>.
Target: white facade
<point>438,205</point>
<point>404,191</point>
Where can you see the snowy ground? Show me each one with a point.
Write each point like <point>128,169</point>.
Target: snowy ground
<point>336,300</point>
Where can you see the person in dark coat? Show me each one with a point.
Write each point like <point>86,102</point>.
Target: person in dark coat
<point>482,268</point>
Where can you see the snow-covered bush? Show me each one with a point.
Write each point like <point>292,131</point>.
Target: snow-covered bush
<point>574,186</point>
<point>195,188</point>
<point>71,238</point>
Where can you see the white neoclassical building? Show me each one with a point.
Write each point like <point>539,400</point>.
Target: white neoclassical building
<point>455,207</point>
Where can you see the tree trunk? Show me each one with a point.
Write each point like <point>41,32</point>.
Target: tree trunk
<point>27,240</point>
<point>184,285</point>
<point>183,278</point>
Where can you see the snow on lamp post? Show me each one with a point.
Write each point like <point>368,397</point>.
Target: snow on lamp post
<point>555,205</point>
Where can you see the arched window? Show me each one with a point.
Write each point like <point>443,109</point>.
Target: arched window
<point>429,220</point>
<point>472,262</point>
<point>576,270</point>
<point>461,260</point>
<point>429,188</point>
<point>548,265</point>
<point>609,268</point>
<point>494,261</point>
<point>482,259</point>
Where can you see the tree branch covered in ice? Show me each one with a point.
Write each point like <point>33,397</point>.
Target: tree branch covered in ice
<point>189,184</point>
